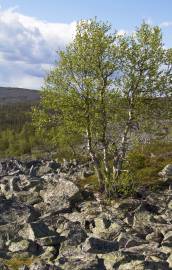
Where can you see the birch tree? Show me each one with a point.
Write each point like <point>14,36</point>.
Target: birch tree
<point>145,76</point>
<point>100,89</point>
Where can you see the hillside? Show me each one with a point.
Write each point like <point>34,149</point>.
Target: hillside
<point>9,95</point>
<point>15,103</point>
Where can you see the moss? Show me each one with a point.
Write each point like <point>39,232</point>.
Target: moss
<point>16,262</point>
<point>92,181</point>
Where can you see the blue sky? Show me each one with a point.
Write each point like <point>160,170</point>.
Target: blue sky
<point>31,30</point>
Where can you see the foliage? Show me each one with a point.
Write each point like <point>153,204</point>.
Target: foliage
<point>126,185</point>
<point>102,91</point>
<point>14,116</point>
<point>14,143</point>
<point>17,135</point>
<point>145,161</point>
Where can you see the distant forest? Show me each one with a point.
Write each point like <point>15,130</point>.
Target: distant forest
<point>14,116</point>
<point>17,136</point>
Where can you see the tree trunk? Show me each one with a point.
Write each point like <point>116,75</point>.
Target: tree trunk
<point>104,129</point>
<point>99,174</point>
<point>95,160</point>
<point>121,153</point>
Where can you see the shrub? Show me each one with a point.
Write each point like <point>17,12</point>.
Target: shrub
<point>126,185</point>
<point>145,161</point>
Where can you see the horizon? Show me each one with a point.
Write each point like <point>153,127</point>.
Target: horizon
<point>30,36</point>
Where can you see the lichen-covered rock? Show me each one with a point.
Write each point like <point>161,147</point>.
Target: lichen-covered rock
<point>23,245</point>
<point>155,236</point>
<point>142,219</point>
<point>70,258</point>
<point>112,260</point>
<point>13,210</point>
<point>42,265</point>
<point>125,240</point>
<point>96,245</point>
<point>136,265</point>
<point>166,173</point>
<point>60,195</point>
<point>74,234</point>
<point>36,230</point>
<point>49,253</point>
<point>47,217</point>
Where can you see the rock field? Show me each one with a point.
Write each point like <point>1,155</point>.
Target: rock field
<point>45,216</point>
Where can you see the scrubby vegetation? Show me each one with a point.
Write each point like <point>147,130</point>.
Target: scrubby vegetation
<point>17,135</point>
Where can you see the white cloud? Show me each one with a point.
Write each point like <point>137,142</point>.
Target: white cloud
<point>121,32</point>
<point>27,47</point>
<point>166,24</point>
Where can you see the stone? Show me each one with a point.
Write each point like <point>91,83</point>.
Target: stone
<point>96,245</point>
<point>168,236</point>
<point>23,245</point>
<point>142,219</point>
<point>170,205</point>
<point>49,240</point>
<point>44,170</point>
<point>167,241</point>
<point>14,184</point>
<point>42,265</point>
<point>169,260</point>
<point>50,253</point>
<point>32,171</point>
<point>125,240</point>
<point>166,173</point>
<point>76,234</point>
<point>54,165</point>
<point>135,265</point>
<point>100,226</point>
<point>155,236</point>
<point>50,220</point>
<point>128,205</point>
<point>2,241</point>
<point>35,231</point>
<point>159,265</point>
<point>61,195</point>
<point>13,210</point>
<point>144,265</point>
<point>112,260</point>
<point>1,168</point>
<point>165,249</point>
<point>23,267</point>
<point>29,197</point>
<point>70,258</point>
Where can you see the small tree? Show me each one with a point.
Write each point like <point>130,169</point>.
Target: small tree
<point>145,77</point>
<point>98,91</point>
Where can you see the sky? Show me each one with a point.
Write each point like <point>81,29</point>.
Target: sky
<point>31,31</point>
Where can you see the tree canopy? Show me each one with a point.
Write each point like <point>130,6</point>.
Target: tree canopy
<point>102,92</point>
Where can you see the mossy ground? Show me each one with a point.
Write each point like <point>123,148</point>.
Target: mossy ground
<point>16,262</point>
